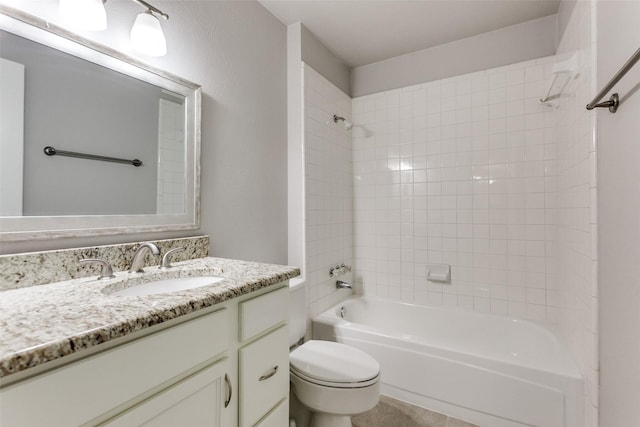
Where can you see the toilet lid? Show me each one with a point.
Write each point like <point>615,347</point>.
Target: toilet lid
<point>333,362</point>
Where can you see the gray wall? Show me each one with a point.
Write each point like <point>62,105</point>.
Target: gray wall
<point>529,40</point>
<point>619,217</point>
<point>237,52</point>
<point>295,150</point>
<point>75,105</point>
<point>564,13</point>
<point>321,59</point>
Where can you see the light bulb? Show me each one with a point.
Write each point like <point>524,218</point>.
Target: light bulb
<point>84,14</point>
<point>147,36</point>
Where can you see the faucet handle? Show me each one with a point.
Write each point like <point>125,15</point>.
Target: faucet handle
<point>106,272</point>
<point>339,270</point>
<point>166,258</point>
<point>333,271</point>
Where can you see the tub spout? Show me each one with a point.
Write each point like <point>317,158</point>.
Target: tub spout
<point>342,285</point>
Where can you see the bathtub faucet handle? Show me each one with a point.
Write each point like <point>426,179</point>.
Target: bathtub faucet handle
<point>333,271</point>
<point>342,285</point>
<point>339,270</point>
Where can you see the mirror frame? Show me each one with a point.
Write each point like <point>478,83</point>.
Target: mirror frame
<point>47,227</point>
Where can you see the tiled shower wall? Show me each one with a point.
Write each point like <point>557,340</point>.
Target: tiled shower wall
<point>458,171</point>
<point>171,164</point>
<point>328,189</point>
<point>471,171</point>
<point>575,247</point>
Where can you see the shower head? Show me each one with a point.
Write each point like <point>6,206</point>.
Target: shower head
<point>347,124</point>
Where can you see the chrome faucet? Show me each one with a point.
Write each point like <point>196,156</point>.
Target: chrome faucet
<point>342,285</point>
<point>137,263</point>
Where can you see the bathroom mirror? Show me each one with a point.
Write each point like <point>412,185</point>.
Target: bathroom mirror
<point>92,142</point>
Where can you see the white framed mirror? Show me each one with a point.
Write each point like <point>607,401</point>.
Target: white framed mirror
<point>92,142</point>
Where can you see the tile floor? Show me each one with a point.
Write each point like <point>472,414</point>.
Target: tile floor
<point>394,413</point>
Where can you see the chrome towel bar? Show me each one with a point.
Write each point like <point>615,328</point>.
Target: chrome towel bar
<point>614,101</point>
<point>50,151</point>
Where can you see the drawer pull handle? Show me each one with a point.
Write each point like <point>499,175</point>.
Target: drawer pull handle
<point>269,375</point>
<point>229,388</point>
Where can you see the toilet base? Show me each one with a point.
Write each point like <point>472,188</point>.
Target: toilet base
<point>329,420</point>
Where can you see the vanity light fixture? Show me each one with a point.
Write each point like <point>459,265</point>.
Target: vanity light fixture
<point>146,34</point>
<point>84,14</point>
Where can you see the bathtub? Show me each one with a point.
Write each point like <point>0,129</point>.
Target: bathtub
<point>490,370</point>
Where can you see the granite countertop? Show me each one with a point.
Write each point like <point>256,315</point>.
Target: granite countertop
<point>43,323</point>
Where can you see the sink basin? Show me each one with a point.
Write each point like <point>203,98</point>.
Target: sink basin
<point>168,285</point>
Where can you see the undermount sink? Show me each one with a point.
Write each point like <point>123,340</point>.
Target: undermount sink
<point>167,286</point>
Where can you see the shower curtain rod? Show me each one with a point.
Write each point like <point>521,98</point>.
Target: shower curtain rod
<point>614,101</point>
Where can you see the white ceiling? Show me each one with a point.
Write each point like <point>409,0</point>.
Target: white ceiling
<point>361,32</point>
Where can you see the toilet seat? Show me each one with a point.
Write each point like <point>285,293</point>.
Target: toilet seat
<point>334,365</point>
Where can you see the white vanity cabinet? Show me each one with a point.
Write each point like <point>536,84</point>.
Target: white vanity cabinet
<point>203,369</point>
<point>90,389</point>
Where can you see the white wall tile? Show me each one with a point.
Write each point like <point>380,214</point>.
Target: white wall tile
<point>462,143</point>
<point>329,181</point>
<point>574,210</point>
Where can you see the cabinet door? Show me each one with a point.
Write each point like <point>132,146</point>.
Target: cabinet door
<point>198,400</point>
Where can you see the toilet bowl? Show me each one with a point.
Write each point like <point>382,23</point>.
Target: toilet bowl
<point>334,381</point>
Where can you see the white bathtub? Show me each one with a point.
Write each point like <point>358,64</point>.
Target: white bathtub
<point>491,370</point>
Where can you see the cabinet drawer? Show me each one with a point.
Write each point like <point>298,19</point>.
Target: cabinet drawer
<point>84,390</point>
<point>279,417</point>
<point>264,375</point>
<point>263,312</point>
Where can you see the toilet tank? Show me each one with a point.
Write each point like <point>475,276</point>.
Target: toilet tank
<point>298,310</point>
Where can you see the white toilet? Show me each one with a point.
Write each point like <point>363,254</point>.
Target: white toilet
<point>334,381</point>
